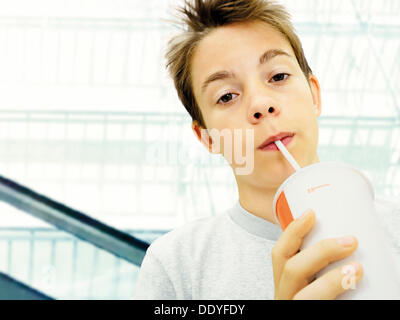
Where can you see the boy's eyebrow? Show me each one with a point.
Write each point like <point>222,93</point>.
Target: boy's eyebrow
<point>221,75</point>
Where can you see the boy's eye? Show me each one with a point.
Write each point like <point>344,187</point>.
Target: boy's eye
<point>226,98</point>
<point>280,77</point>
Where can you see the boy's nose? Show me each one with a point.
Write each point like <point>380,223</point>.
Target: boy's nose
<point>258,114</point>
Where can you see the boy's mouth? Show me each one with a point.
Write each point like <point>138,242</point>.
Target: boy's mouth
<point>284,137</point>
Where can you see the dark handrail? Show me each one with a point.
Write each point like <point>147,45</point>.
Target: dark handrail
<point>72,221</point>
<point>11,289</point>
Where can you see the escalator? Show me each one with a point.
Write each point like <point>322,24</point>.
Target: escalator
<point>72,240</point>
<point>12,289</point>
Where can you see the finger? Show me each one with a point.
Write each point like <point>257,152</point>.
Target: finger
<point>313,259</point>
<point>290,242</point>
<point>333,283</point>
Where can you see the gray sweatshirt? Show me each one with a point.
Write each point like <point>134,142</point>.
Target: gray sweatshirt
<point>227,256</point>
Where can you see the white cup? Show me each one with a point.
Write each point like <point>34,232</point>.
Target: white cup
<point>343,201</point>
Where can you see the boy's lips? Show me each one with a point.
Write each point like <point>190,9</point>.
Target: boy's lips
<point>268,143</point>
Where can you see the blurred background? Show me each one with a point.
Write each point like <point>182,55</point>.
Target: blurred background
<point>90,119</point>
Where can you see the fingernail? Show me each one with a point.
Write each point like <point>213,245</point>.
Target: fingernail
<point>305,214</point>
<point>346,241</point>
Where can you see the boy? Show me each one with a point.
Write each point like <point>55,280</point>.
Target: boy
<point>240,65</point>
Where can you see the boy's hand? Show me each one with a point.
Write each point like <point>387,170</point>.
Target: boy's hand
<point>293,269</point>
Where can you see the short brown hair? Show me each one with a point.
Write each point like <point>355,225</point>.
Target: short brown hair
<point>203,16</point>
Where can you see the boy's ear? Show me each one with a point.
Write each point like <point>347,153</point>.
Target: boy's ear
<point>202,135</point>
<point>316,94</point>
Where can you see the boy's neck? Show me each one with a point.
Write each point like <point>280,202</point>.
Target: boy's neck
<point>258,201</point>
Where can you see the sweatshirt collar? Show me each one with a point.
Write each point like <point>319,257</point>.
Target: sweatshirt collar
<point>254,224</point>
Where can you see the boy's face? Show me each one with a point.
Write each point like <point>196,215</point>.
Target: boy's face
<point>243,101</point>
